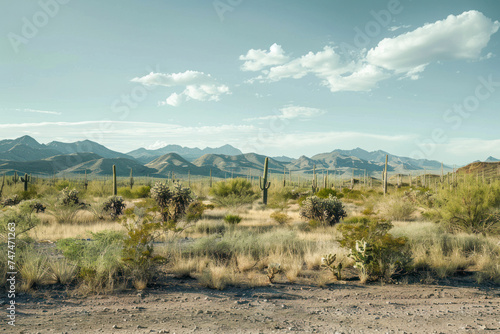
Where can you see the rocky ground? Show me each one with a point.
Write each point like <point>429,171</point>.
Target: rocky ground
<point>183,306</point>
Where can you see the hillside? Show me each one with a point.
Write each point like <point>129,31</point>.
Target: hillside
<point>190,154</point>
<point>104,166</point>
<point>173,162</point>
<point>49,166</point>
<point>488,169</point>
<point>86,146</point>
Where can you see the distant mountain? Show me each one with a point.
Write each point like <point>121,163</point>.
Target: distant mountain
<point>86,146</point>
<point>398,163</point>
<point>173,162</point>
<point>242,165</point>
<point>104,166</point>
<point>145,156</point>
<point>49,166</point>
<point>283,159</point>
<point>24,148</point>
<point>491,159</point>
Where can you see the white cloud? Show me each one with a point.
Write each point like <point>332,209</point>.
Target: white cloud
<point>291,112</point>
<point>394,28</point>
<point>256,60</point>
<point>198,86</point>
<point>456,37</point>
<point>407,55</point>
<point>40,111</point>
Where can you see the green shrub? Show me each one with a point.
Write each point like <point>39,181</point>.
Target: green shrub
<point>471,206</point>
<point>326,192</point>
<point>375,251</point>
<point>212,247</point>
<point>172,203</point>
<point>328,211</point>
<point>21,221</point>
<point>281,217</point>
<point>233,192</point>
<point>209,227</point>
<point>194,211</point>
<point>398,208</point>
<point>232,219</point>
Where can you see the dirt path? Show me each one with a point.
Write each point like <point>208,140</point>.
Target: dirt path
<point>186,307</point>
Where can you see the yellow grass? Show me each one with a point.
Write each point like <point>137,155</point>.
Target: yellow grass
<point>55,231</point>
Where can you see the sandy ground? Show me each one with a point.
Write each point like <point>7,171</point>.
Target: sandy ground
<point>183,306</point>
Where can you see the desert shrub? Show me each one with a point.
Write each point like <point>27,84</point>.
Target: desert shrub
<point>232,219</point>
<point>398,208</point>
<point>138,251</point>
<point>142,192</point>
<point>375,251</point>
<point>114,206</point>
<point>208,227</point>
<point>233,192</point>
<point>328,211</point>
<point>18,221</point>
<point>212,247</point>
<point>471,207</point>
<point>352,194</point>
<point>215,277</point>
<point>11,201</point>
<point>194,211</point>
<point>326,192</point>
<point>99,259</point>
<point>29,194</point>
<point>281,217</point>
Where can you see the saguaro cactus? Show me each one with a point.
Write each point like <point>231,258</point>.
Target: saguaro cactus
<point>131,181</point>
<point>115,189</point>
<point>210,177</point>
<point>3,183</point>
<point>314,181</point>
<point>15,178</point>
<point>25,180</point>
<point>264,185</point>
<point>85,181</point>
<point>385,175</point>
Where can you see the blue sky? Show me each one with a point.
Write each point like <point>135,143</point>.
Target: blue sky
<point>415,78</point>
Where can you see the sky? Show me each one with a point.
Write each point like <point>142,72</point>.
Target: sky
<point>283,77</point>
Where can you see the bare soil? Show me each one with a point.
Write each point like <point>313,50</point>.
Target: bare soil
<point>183,306</point>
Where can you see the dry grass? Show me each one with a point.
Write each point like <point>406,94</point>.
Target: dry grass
<point>33,271</point>
<point>54,231</point>
<point>62,271</point>
<point>217,277</point>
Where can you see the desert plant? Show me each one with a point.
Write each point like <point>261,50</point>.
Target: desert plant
<point>263,183</point>
<point>273,269</point>
<point>71,197</point>
<point>23,219</point>
<point>194,211</point>
<point>233,192</point>
<point>62,271</point>
<point>328,211</point>
<point>471,207</point>
<point>172,203</point>
<point>329,262</point>
<point>114,206</point>
<point>33,269</point>
<point>11,201</point>
<point>232,219</point>
<point>281,217</point>
<point>363,259</point>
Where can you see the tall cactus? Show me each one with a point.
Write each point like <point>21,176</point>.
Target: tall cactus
<point>85,181</point>
<point>15,178</point>
<point>25,180</point>
<point>314,181</point>
<point>3,183</point>
<point>115,189</point>
<point>385,175</point>
<point>210,177</point>
<point>284,176</point>
<point>264,184</point>
<point>131,181</point>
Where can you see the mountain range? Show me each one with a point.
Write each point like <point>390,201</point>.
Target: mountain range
<point>26,155</point>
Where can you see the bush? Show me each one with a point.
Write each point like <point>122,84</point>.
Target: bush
<point>281,217</point>
<point>375,251</point>
<point>326,192</point>
<point>114,206</point>
<point>70,198</point>
<point>233,192</point>
<point>232,219</point>
<point>11,201</point>
<point>21,220</point>
<point>398,208</point>
<point>328,211</point>
<point>471,206</point>
<point>194,211</point>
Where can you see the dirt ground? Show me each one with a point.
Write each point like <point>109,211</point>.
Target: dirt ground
<point>183,306</point>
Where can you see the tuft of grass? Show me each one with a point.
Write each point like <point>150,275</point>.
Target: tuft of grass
<point>216,277</point>
<point>33,270</point>
<point>62,271</point>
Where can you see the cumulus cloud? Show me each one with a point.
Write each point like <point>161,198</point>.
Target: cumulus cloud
<point>292,112</point>
<point>197,86</point>
<point>457,37</point>
<point>256,60</point>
